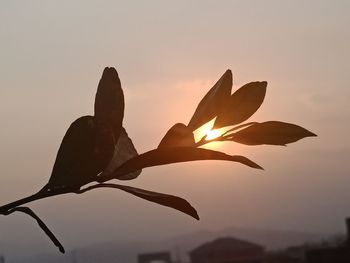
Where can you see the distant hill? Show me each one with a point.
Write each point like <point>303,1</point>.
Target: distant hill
<point>126,252</point>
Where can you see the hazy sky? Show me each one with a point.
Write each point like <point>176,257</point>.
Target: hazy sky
<point>168,54</point>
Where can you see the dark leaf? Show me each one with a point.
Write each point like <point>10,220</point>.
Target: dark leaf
<point>177,136</point>
<point>213,102</point>
<point>242,104</point>
<point>109,103</point>
<point>77,161</point>
<point>172,201</point>
<point>124,151</point>
<point>271,132</point>
<point>175,155</point>
<point>42,225</point>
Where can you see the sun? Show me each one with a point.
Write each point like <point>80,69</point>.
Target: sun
<point>212,134</point>
<point>206,130</point>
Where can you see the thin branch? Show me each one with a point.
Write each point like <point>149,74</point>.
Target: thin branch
<point>43,193</point>
<point>28,211</point>
<point>203,141</point>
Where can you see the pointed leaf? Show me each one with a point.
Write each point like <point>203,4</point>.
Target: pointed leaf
<point>124,151</point>
<point>271,132</point>
<point>109,103</point>
<point>163,156</point>
<point>213,102</point>
<point>78,161</point>
<point>172,201</point>
<point>178,135</point>
<point>242,104</point>
<point>28,211</point>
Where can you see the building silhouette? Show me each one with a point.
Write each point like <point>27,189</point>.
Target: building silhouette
<point>159,257</point>
<point>335,254</point>
<point>228,250</point>
<point>233,250</point>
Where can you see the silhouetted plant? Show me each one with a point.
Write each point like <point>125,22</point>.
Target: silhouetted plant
<point>97,148</point>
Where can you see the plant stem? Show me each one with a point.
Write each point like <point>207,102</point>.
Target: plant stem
<point>43,193</point>
<point>203,141</point>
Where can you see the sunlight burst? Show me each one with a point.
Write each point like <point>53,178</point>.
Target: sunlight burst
<point>212,134</point>
<point>206,130</point>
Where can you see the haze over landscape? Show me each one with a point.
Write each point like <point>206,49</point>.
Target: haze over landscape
<point>168,55</point>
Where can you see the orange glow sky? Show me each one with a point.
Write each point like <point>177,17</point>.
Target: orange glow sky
<point>168,54</point>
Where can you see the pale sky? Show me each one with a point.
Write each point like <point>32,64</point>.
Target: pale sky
<point>168,55</point>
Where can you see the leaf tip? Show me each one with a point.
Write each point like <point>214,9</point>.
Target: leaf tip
<point>259,84</point>
<point>257,166</point>
<point>193,212</point>
<point>311,134</point>
<point>263,86</point>
<point>109,73</point>
<point>228,72</point>
<point>195,215</point>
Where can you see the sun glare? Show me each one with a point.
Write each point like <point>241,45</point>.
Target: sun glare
<point>206,130</point>
<point>212,134</point>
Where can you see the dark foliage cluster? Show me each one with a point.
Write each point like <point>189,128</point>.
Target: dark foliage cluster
<point>97,149</point>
